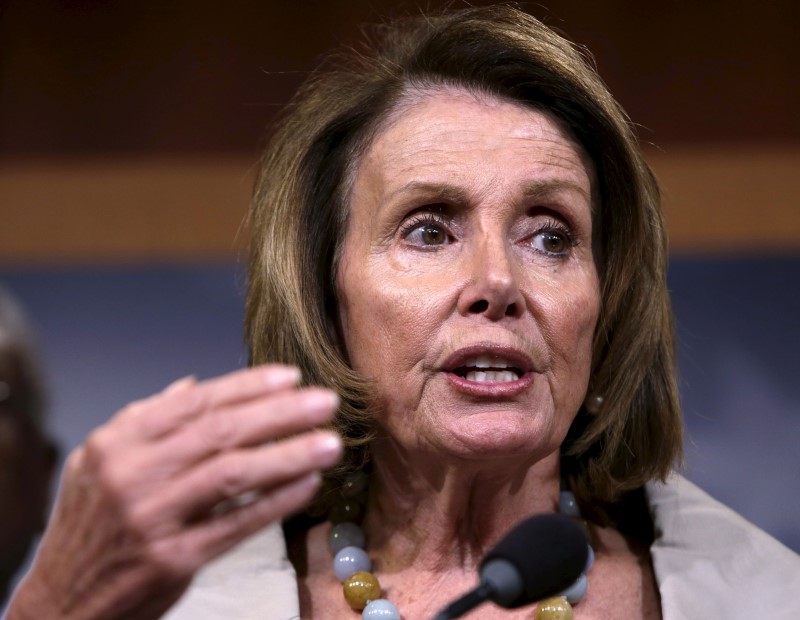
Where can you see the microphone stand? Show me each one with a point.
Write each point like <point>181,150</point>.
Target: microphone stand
<point>471,599</point>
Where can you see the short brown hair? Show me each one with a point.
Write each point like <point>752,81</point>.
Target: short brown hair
<point>299,213</point>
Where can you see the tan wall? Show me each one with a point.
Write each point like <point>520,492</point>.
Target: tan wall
<point>715,200</point>
<point>128,209</point>
<point>731,200</point>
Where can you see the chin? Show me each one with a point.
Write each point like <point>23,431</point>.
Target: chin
<point>500,436</point>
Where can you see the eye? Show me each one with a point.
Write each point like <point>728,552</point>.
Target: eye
<point>552,243</point>
<point>553,239</point>
<point>426,230</point>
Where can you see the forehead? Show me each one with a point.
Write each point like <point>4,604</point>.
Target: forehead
<point>437,134</point>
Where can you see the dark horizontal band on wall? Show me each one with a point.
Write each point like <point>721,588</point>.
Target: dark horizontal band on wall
<point>716,200</point>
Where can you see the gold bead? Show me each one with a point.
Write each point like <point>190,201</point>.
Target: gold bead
<point>360,588</point>
<point>555,608</point>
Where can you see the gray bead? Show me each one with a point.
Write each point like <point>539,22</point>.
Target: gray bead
<point>350,560</point>
<point>576,591</point>
<point>380,609</point>
<point>345,534</point>
<point>568,505</point>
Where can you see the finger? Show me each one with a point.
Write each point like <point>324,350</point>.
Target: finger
<point>195,545</point>
<point>180,384</point>
<point>248,383</point>
<point>194,494</point>
<point>169,410</point>
<point>243,425</point>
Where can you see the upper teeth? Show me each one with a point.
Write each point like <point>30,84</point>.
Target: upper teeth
<point>492,376</point>
<point>487,361</point>
<point>501,370</point>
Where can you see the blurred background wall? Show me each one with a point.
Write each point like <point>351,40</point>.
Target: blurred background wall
<point>129,133</point>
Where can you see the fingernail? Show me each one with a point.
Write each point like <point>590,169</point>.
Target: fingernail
<point>180,384</point>
<point>315,398</point>
<point>328,446</point>
<point>283,375</point>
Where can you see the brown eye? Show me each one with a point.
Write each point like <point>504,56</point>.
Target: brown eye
<point>553,243</point>
<point>432,235</point>
<point>427,233</point>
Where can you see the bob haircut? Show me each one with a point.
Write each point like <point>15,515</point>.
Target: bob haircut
<point>300,207</point>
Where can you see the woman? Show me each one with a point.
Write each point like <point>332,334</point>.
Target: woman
<point>457,237</point>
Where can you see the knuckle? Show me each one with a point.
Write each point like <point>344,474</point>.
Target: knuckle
<point>96,448</point>
<point>191,400</point>
<point>148,426</point>
<point>136,521</point>
<point>144,417</point>
<point>185,405</point>
<point>112,483</point>
<point>231,478</point>
<point>194,399</point>
<point>102,464</point>
<point>218,431</point>
<point>75,462</point>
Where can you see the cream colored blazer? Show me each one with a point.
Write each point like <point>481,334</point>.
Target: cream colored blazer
<point>710,564</point>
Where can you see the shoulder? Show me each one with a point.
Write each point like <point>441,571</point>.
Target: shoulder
<point>253,581</point>
<point>711,562</point>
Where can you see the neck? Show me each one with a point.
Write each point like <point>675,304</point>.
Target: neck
<point>444,513</point>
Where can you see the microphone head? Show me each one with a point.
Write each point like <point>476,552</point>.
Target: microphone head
<point>548,551</point>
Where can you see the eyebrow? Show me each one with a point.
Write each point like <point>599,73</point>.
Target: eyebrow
<point>453,194</point>
<point>435,191</point>
<point>540,189</point>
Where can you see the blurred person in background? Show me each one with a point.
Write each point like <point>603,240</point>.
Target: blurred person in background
<point>27,456</point>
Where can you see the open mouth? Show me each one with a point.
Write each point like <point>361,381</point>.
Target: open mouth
<point>488,369</point>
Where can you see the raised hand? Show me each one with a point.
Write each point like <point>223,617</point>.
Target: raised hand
<point>171,482</point>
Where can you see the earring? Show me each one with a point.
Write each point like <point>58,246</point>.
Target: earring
<point>593,403</point>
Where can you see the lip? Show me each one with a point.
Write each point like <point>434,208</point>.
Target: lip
<point>493,389</point>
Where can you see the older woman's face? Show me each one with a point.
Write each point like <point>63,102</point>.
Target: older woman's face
<point>467,287</point>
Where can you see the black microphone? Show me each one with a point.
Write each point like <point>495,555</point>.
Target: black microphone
<point>540,557</point>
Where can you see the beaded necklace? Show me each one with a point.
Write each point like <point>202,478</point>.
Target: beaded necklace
<point>362,590</point>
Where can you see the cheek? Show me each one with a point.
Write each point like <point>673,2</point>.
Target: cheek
<point>582,313</point>
<point>574,315</point>
<point>387,322</point>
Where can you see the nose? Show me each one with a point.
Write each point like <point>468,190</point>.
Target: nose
<point>492,287</point>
